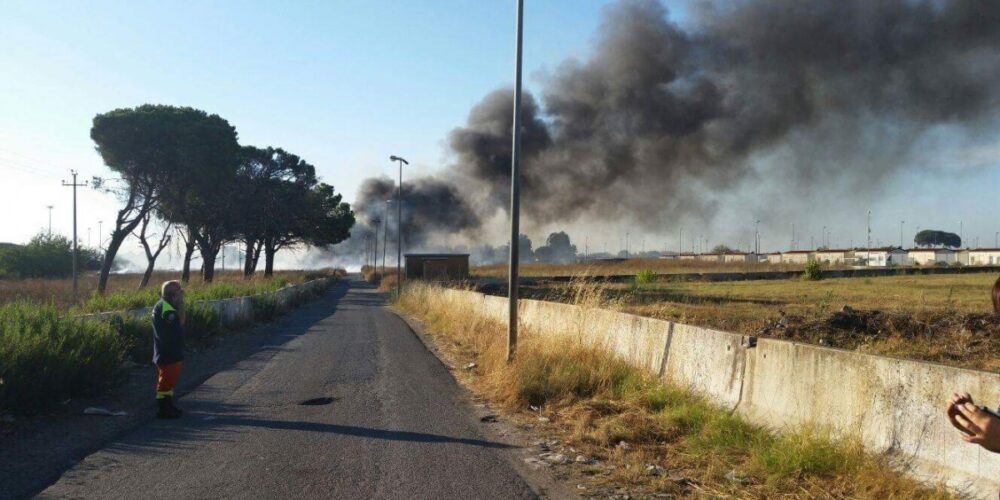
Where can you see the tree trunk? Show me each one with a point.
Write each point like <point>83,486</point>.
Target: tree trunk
<point>250,264</point>
<point>117,238</point>
<point>188,252</point>
<point>147,275</point>
<point>208,265</point>
<point>269,251</point>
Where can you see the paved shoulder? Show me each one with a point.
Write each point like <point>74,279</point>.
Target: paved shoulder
<point>354,407</point>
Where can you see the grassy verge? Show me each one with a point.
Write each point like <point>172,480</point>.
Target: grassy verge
<point>59,292</point>
<point>639,435</point>
<point>46,357</point>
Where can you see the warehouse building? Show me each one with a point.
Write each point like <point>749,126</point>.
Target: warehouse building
<point>437,266</point>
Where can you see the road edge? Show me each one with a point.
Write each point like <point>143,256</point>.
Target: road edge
<point>543,483</point>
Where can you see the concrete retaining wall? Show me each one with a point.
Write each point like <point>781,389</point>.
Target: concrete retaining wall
<point>894,406</point>
<point>237,310</point>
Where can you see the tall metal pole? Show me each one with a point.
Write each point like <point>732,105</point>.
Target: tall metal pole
<point>515,193</point>
<point>901,233</point>
<point>100,238</point>
<point>399,225</point>
<point>680,241</point>
<point>50,219</point>
<point>76,280</point>
<point>385,235</point>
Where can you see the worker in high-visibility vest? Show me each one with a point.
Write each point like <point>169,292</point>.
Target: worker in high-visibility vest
<point>168,346</point>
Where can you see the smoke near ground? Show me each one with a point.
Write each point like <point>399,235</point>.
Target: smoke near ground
<point>662,123</point>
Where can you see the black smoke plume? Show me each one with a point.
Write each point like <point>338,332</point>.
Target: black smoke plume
<point>661,122</point>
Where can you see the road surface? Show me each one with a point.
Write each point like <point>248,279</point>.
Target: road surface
<point>388,422</point>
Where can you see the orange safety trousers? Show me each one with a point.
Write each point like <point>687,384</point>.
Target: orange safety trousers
<point>166,379</point>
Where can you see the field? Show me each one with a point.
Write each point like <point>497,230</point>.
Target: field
<point>59,292</point>
<point>941,318</point>
<point>632,266</point>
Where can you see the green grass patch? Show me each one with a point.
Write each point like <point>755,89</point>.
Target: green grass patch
<point>45,357</point>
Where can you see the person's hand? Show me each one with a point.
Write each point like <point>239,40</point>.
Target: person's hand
<point>952,409</point>
<point>980,427</point>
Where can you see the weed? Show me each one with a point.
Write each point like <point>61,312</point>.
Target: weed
<point>644,277</point>
<point>44,357</point>
<point>813,271</point>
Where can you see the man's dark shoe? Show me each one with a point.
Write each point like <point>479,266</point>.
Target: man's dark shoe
<point>166,408</point>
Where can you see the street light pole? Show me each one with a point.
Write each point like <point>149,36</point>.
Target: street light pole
<point>399,225</point>
<point>74,185</point>
<point>515,192</point>
<point>50,219</point>
<point>901,233</point>
<point>385,235</point>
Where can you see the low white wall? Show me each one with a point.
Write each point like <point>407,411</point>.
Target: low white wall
<point>231,311</point>
<point>894,406</point>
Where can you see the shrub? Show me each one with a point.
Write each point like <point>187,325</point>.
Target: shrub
<point>44,358</point>
<point>644,277</point>
<point>813,271</point>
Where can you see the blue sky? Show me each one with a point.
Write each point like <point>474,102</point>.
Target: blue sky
<point>344,84</point>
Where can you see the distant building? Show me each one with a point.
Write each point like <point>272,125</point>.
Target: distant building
<point>797,257</point>
<point>880,257</point>
<point>984,257</point>
<point>709,257</point>
<point>834,257</point>
<point>735,256</point>
<point>930,256</point>
<point>437,266</point>
<point>686,256</point>
<point>963,256</point>
<point>774,258</point>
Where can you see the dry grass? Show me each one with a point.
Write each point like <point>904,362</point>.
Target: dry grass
<point>675,442</point>
<point>941,318</point>
<point>633,266</point>
<point>59,292</point>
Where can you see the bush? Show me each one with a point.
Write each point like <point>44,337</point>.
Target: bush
<point>644,277</point>
<point>45,358</point>
<point>813,271</point>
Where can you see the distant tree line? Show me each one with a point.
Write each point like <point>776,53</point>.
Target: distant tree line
<point>935,238</point>
<point>45,256</point>
<point>184,172</point>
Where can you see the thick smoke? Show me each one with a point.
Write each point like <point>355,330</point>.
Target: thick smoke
<point>660,122</point>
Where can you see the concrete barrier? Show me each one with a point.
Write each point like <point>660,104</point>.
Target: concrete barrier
<point>893,406</point>
<point>233,311</point>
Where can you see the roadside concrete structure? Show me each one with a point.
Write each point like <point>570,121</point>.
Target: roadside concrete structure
<point>963,256</point>
<point>930,256</point>
<point>893,406</point>
<point>234,311</point>
<point>437,266</point>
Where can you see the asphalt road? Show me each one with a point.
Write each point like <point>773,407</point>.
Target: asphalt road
<point>395,424</point>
